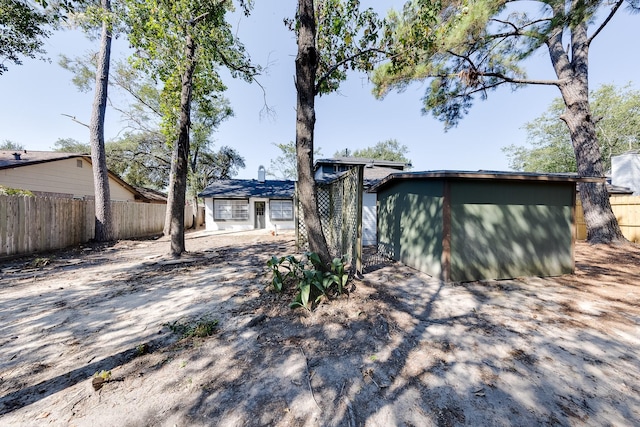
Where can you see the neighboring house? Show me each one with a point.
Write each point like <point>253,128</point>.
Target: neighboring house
<point>326,170</point>
<point>625,171</point>
<point>57,174</point>
<point>247,204</point>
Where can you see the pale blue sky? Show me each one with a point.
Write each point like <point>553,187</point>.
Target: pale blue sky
<point>36,94</point>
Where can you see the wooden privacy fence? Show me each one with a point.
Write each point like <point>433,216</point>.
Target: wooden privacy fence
<point>625,208</point>
<point>36,224</point>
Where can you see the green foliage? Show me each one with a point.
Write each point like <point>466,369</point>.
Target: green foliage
<point>465,49</point>
<point>11,146</point>
<point>158,30</point>
<point>142,159</point>
<point>285,166</point>
<point>23,28</point>
<point>550,150</point>
<point>310,278</point>
<point>200,327</point>
<point>348,38</point>
<point>7,191</point>
<point>70,145</point>
<point>280,279</point>
<point>385,150</point>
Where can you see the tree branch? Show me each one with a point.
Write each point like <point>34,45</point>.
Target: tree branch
<point>615,8</point>
<point>334,67</point>
<point>508,79</point>
<point>75,120</point>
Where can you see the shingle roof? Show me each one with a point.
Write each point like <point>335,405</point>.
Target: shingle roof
<point>245,188</point>
<point>13,158</point>
<point>152,195</point>
<point>361,161</point>
<point>484,175</point>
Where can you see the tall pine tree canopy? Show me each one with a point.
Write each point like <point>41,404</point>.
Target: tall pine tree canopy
<point>466,48</point>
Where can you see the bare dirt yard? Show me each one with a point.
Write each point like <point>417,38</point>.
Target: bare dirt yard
<point>402,349</point>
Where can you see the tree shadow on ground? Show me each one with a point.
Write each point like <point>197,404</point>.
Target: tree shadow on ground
<point>401,349</point>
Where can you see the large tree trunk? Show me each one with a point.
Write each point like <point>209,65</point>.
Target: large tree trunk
<point>180,156</point>
<point>602,225</point>
<point>104,222</point>
<point>306,66</point>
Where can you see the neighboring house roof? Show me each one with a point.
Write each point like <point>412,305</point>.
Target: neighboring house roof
<point>361,161</point>
<point>152,195</point>
<point>14,159</point>
<point>245,188</point>
<point>374,169</point>
<point>375,174</point>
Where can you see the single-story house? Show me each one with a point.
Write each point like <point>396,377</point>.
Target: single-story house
<point>465,226</point>
<point>58,174</point>
<point>247,204</point>
<point>326,170</point>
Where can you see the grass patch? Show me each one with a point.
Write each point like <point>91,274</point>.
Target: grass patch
<point>200,327</point>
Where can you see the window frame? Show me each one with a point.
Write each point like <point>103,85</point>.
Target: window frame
<point>281,210</point>
<point>239,209</point>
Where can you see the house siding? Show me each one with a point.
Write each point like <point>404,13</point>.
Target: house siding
<point>249,224</point>
<point>60,177</point>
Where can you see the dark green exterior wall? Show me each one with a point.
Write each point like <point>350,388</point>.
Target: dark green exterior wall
<point>508,229</point>
<point>498,229</point>
<point>410,224</point>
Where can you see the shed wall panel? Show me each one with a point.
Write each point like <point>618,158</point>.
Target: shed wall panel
<point>505,230</point>
<point>410,224</point>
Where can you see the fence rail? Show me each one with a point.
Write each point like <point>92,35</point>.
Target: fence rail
<point>627,211</point>
<point>37,224</point>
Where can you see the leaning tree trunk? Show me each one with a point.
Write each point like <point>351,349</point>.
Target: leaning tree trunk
<point>602,225</point>
<point>104,222</point>
<point>180,156</point>
<point>306,66</point>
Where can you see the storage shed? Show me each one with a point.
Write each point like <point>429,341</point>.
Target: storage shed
<point>465,226</point>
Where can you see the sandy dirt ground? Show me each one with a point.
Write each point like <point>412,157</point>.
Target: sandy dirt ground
<point>402,349</point>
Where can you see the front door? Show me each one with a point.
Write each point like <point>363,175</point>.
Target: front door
<point>259,209</point>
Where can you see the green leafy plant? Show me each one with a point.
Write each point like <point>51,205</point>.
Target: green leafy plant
<point>291,266</point>
<point>7,191</point>
<point>313,281</point>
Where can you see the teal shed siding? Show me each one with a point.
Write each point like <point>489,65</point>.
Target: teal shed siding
<point>410,225</point>
<point>465,229</point>
<point>501,230</point>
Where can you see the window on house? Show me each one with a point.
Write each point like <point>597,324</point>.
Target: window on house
<point>281,209</point>
<point>231,209</point>
<point>78,163</point>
